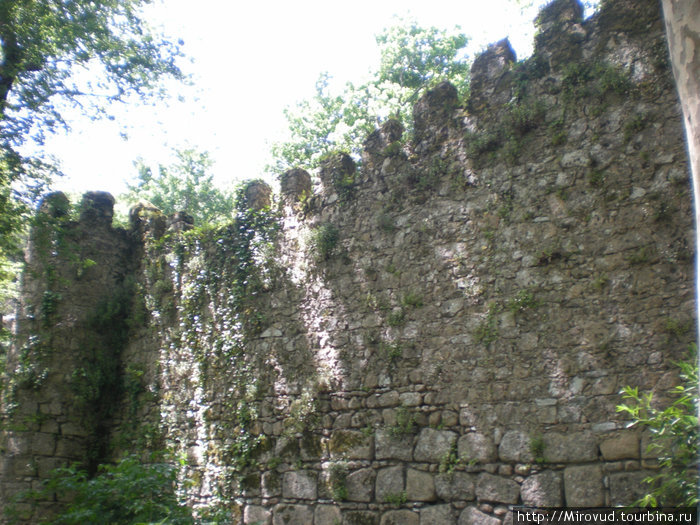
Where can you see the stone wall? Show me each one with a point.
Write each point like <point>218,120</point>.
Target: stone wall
<point>427,339</point>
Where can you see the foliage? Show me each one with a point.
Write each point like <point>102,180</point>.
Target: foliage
<point>57,57</point>
<point>337,478</point>
<point>412,58</point>
<point>186,185</point>
<point>396,498</point>
<point>405,422</point>
<point>674,438</point>
<point>324,240</point>
<point>128,492</point>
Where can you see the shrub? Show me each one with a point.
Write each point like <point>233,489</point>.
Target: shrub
<point>674,432</point>
<point>125,493</point>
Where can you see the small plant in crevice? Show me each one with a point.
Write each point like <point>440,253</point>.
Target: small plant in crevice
<point>405,422</point>
<point>396,498</point>
<point>641,256</point>
<point>386,223</point>
<point>412,300</point>
<point>450,460</point>
<point>324,240</point>
<point>635,125</point>
<point>600,281</point>
<point>596,178</point>
<point>677,328</point>
<point>396,317</point>
<point>522,301</point>
<point>391,351</point>
<point>337,480</point>
<point>487,331</point>
<point>537,447</point>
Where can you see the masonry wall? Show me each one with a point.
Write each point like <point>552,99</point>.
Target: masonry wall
<point>427,339</point>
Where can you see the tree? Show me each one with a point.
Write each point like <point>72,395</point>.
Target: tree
<point>412,58</point>
<point>186,185</point>
<point>46,49</point>
<point>682,18</point>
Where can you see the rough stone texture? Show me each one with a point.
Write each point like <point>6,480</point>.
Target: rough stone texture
<point>572,447</point>
<point>437,515</point>
<point>627,486</point>
<point>360,485</point>
<point>389,483</point>
<point>516,446</point>
<point>492,285</point>
<point>433,444</point>
<point>473,516</point>
<point>476,447</point>
<point>327,514</point>
<point>257,195</point>
<point>299,485</point>
<point>295,183</point>
<point>400,517</point>
<point>624,445</point>
<point>455,486</point>
<point>391,446</point>
<point>496,489</point>
<point>583,486</point>
<point>543,490</point>
<point>420,486</point>
<point>292,515</point>
<point>256,515</point>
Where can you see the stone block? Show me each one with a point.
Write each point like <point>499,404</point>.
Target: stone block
<point>627,487</point>
<point>496,489</point>
<point>437,515</point>
<point>329,514</point>
<point>400,517</point>
<point>271,484</point>
<point>350,444</point>
<point>473,516</point>
<point>516,447</point>
<point>391,446</point>
<point>543,490</point>
<point>389,482</point>
<point>292,515</point>
<point>577,447</point>
<point>360,517</point>
<point>476,446</point>
<point>455,486</point>
<point>433,445</point>
<point>360,485</point>
<point>256,515</point>
<point>420,485</point>
<point>623,445</point>
<point>299,485</point>
<point>583,486</point>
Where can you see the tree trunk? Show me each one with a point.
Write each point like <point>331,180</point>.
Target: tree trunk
<point>682,19</point>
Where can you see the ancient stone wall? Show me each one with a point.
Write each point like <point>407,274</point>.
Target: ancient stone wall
<point>426,339</point>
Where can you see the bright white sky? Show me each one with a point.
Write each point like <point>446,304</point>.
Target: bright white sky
<point>250,60</point>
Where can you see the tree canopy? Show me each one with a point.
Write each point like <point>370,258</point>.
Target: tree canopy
<point>47,49</point>
<point>412,58</point>
<point>186,185</point>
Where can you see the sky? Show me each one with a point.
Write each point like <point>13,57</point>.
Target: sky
<point>248,61</point>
